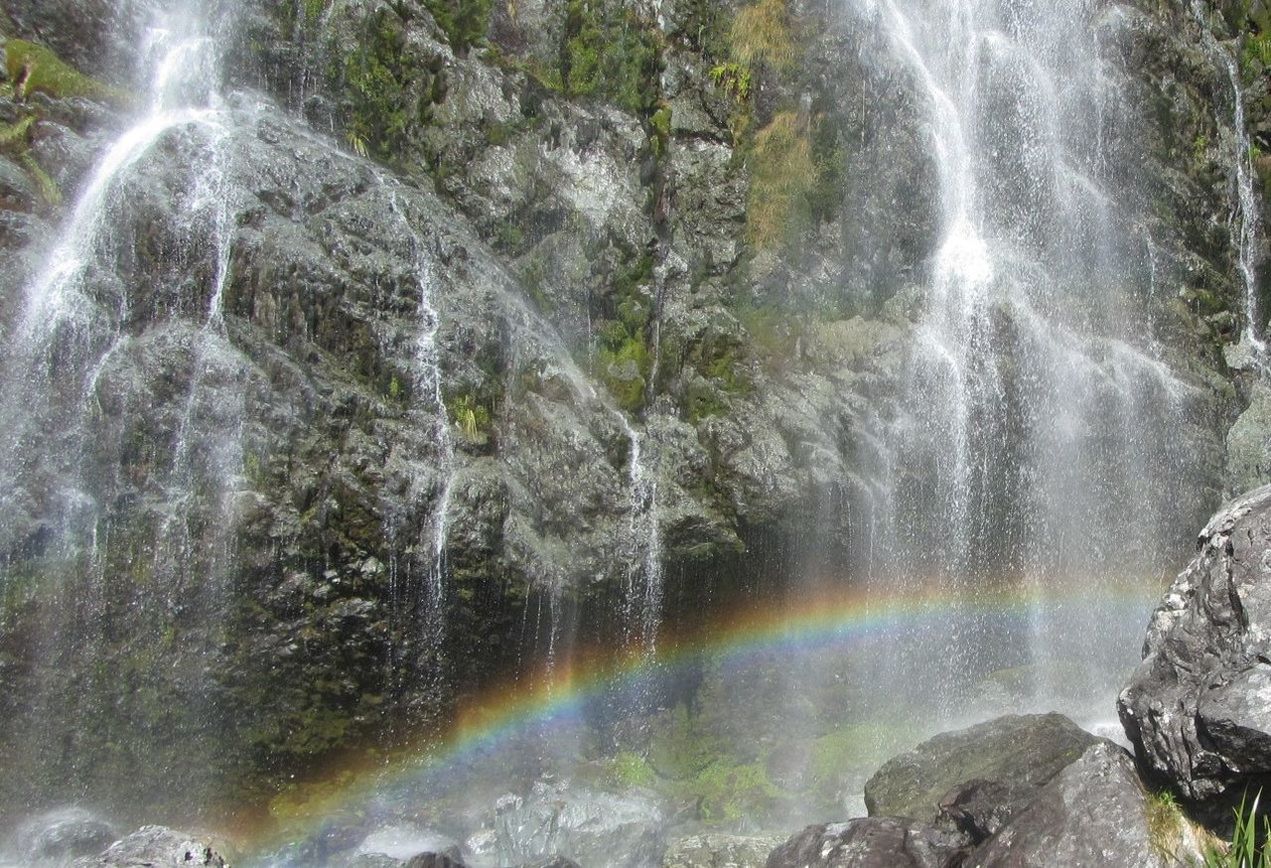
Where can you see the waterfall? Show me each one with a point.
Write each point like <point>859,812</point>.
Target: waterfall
<point>122,489</point>
<point>429,410</point>
<point>1032,446</point>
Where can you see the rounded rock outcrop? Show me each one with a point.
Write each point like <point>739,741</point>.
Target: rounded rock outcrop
<point>1198,707</point>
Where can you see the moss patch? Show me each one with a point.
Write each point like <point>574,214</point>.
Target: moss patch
<point>39,70</point>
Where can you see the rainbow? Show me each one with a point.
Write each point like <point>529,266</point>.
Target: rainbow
<point>821,620</point>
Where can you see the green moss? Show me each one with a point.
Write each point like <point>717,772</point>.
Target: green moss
<point>16,136</point>
<point>629,769</point>
<point>680,749</point>
<point>621,353</point>
<point>42,71</point>
<point>660,127</point>
<point>50,192</point>
<point>464,21</point>
<point>727,792</point>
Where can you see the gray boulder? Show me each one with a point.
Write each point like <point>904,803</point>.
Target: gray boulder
<point>1094,813</point>
<point>1198,708</point>
<point>872,842</point>
<point>1011,756</point>
<point>155,846</point>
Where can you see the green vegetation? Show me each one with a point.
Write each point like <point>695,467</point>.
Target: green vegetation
<point>15,141</point>
<point>629,769</point>
<point>470,417</point>
<point>726,792</point>
<point>612,53</point>
<point>734,78</point>
<point>388,93</point>
<point>1244,849</point>
<point>464,21</point>
<point>35,69</point>
<point>621,351</point>
<point>50,192</point>
<point>761,34</point>
<point>1165,822</point>
<point>783,173</point>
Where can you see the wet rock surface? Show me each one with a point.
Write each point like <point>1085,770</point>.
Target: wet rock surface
<point>1196,708</point>
<point>1000,761</point>
<point>551,217</point>
<point>1094,812</point>
<point>575,824</point>
<point>720,851</point>
<point>872,842</point>
<point>156,846</point>
<point>60,836</point>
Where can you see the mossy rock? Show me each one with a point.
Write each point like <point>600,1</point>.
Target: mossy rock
<point>41,71</point>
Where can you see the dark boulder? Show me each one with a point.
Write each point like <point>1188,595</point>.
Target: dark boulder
<point>1009,757</point>
<point>871,842</point>
<point>1093,813</point>
<point>435,860</point>
<point>1198,708</point>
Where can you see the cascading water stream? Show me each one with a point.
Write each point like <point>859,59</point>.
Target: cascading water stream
<point>428,385</point>
<point>643,604</point>
<point>147,482</point>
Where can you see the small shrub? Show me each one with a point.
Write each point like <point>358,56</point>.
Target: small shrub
<point>611,53</point>
<point>388,91</point>
<point>470,418</point>
<point>464,21</point>
<point>734,78</point>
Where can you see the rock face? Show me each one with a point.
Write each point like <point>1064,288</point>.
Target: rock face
<point>873,842</point>
<point>1001,762</point>
<point>1094,813</point>
<point>1198,708</point>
